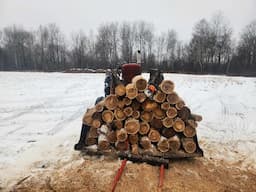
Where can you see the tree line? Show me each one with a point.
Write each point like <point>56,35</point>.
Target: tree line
<point>211,49</point>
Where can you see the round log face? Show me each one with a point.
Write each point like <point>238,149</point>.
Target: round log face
<point>165,106</point>
<point>119,114</point>
<point>132,126</point>
<point>145,142</point>
<point>168,122</point>
<point>121,135</point>
<point>189,131</point>
<point>171,112</point>
<point>154,135</point>
<point>168,132</point>
<point>172,98</point>
<point>180,104</point>
<point>144,128</point>
<point>146,116</point>
<point>149,105</point>
<point>184,113</point>
<point>127,101</point>
<point>111,102</point>
<point>141,97</point>
<point>167,86</point>
<point>156,123</point>
<point>128,111</point>
<point>107,116</point>
<point>163,145</point>
<point>122,146</point>
<point>159,97</point>
<point>140,83</point>
<point>131,91</point>
<point>120,90</point>
<point>179,125</point>
<point>159,113</point>
<point>189,145</point>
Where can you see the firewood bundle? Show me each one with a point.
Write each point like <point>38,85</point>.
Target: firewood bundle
<point>131,120</point>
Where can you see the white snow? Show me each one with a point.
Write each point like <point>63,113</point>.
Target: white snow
<point>40,117</point>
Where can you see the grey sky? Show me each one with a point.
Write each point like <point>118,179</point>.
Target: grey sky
<point>73,15</point>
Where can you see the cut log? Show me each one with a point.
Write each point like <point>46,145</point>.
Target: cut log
<point>87,118</point>
<point>196,117</point>
<point>173,98</point>
<point>179,125</point>
<point>163,145</point>
<point>127,101</point>
<point>111,102</point>
<point>121,135</point>
<point>93,133</point>
<point>192,123</point>
<point>136,114</point>
<point>189,145</point>
<point>140,82</point>
<point>119,114</point>
<point>128,111</point>
<point>145,142</point>
<point>107,116</point>
<point>141,97</point>
<point>131,91</point>
<point>144,128</point>
<point>156,123</point>
<point>122,146</point>
<point>159,97</point>
<point>135,149</point>
<point>120,90</point>
<point>154,135</point>
<point>165,106</point>
<point>132,126</point>
<point>168,132</point>
<point>117,124</point>
<point>135,105</point>
<point>99,107</point>
<point>111,136</point>
<point>96,123</point>
<point>121,103</point>
<point>180,104</point>
<point>174,143</point>
<point>167,122</point>
<point>149,105</point>
<point>103,143</point>
<point>189,131</point>
<point>158,113</point>
<point>171,112</point>
<point>146,116</point>
<point>184,113</point>
<point>133,139</point>
<point>167,86</point>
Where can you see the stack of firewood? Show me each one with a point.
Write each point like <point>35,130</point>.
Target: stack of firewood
<point>132,120</point>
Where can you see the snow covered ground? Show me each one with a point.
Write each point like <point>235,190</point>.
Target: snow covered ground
<point>40,117</point>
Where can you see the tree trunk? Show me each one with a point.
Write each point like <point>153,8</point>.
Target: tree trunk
<point>107,116</point>
<point>167,122</point>
<point>132,126</point>
<point>167,86</point>
<point>189,145</point>
<point>171,112</point>
<point>146,116</point>
<point>120,90</point>
<point>179,125</point>
<point>111,102</point>
<point>119,114</point>
<point>140,83</point>
<point>159,97</point>
<point>172,98</point>
<point>154,135</point>
<point>189,131</point>
<point>165,106</point>
<point>144,128</point>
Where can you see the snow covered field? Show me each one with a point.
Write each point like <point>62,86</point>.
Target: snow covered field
<point>40,117</point>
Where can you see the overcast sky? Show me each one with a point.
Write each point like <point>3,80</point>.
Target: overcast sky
<point>73,15</point>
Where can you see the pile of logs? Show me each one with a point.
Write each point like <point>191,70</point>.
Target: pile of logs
<point>131,120</point>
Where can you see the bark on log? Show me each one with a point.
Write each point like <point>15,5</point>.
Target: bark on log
<point>171,112</point>
<point>167,122</point>
<point>87,118</point>
<point>145,142</point>
<point>133,139</point>
<point>122,146</point>
<point>149,105</point>
<point>146,116</point>
<point>117,124</point>
<point>184,113</point>
<point>168,132</point>
<point>121,135</point>
<point>141,97</point>
<point>107,116</point>
<point>172,98</point>
<point>140,82</point>
<point>135,149</point>
<point>158,113</point>
<point>154,135</point>
<point>180,104</point>
<point>119,114</point>
<point>189,131</point>
<point>163,145</point>
<point>103,143</point>
<point>131,91</point>
<point>159,97</point>
<point>165,106</point>
<point>100,106</point>
<point>144,128</point>
<point>189,145</point>
<point>132,126</point>
<point>136,114</point>
<point>192,123</point>
<point>128,111</point>
<point>196,117</point>
<point>167,86</point>
<point>120,90</point>
<point>179,125</point>
<point>111,136</point>
<point>174,143</point>
<point>156,123</point>
<point>111,102</point>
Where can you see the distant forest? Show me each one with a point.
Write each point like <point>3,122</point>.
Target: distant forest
<point>211,49</point>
